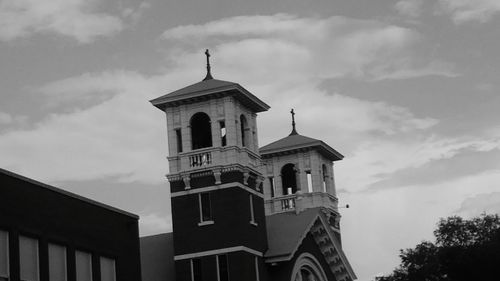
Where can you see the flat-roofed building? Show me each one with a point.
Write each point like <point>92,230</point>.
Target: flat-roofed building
<point>47,233</point>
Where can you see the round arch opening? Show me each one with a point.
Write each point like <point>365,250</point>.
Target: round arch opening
<point>201,131</point>
<point>289,179</point>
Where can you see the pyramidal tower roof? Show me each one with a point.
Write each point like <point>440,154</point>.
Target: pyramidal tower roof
<point>210,88</point>
<point>296,142</point>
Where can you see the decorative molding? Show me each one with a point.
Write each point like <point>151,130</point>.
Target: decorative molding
<point>218,252</point>
<point>217,174</point>
<point>209,171</point>
<point>187,181</point>
<point>246,175</point>
<point>258,182</point>
<point>216,187</point>
<point>339,264</point>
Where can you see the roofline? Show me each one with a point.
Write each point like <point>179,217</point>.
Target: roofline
<point>161,102</point>
<point>287,257</point>
<point>165,98</point>
<point>336,245</point>
<point>68,194</point>
<point>329,151</point>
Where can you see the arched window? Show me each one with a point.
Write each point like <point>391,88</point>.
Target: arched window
<point>289,179</point>
<point>308,268</point>
<point>201,132</point>
<point>308,274</point>
<point>243,128</point>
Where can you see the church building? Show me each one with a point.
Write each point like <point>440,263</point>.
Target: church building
<point>242,212</point>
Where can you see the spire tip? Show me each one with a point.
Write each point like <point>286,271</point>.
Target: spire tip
<point>294,131</point>
<point>209,74</point>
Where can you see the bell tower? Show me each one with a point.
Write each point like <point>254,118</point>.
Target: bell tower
<point>215,180</point>
<point>299,175</point>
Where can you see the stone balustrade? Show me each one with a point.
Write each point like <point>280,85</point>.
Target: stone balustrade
<point>303,201</point>
<point>211,156</point>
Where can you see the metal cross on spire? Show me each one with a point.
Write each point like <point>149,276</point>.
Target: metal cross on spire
<point>209,75</point>
<point>294,132</point>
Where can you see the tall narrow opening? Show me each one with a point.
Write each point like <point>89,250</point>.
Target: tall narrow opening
<point>205,207</point>
<point>273,188</point>
<point>252,212</point>
<point>243,129</point>
<point>223,138</point>
<point>309,182</point>
<point>222,268</point>
<point>4,255</point>
<point>324,173</point>
<point>196,273</point>
<point>178,136</point>
<point>257,274</point>
<point>289,179</point>
<point>201,131</point>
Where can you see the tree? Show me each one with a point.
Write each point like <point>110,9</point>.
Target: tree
<point>464,250</point>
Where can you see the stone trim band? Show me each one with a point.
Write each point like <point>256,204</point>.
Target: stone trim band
<point>218,252</point>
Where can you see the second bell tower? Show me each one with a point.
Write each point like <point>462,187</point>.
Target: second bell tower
<point>215,180</point>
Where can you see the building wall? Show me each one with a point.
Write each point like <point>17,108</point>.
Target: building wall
<point>35,211</point>
<point>231,227</point>
<point>157,257</point>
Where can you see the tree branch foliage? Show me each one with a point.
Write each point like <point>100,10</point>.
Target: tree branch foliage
<point>464,250</point>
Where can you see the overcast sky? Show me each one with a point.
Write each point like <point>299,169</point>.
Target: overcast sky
<point>407,90</point>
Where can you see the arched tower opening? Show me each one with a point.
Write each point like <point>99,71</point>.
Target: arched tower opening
<point>289,179</point>
<point>201,131</point>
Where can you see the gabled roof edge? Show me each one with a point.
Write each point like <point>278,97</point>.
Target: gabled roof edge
<point>336,244</point>
<point>302,237</point>
<point>338,247</point>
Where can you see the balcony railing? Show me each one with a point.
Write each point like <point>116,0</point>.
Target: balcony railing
<point>307,200</point>
<point>200,159</point>
<point>288,203</point>
<point>211,156</point>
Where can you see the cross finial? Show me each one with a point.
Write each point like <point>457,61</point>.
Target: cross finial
<point>294,132</point>
<point>209,75</point>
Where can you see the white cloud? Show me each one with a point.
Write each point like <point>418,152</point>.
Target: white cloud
<point>379,158</point>
<point>154,223</point>
<point>320,47</point>
<point>8,119</point>
<point>409,8</point>
<point>73,18</point>
<point>5,118</point>
<point>136,13</point>
<point>108,119</point>
<point>463,11</point>
<point>403,71</point>
<point>120,137</point>
<point>488,203</point>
